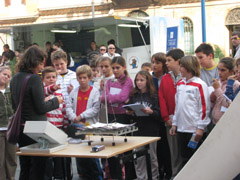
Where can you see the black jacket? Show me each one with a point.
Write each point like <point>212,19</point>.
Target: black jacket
<point>34,107</point>
<point>147,125</point>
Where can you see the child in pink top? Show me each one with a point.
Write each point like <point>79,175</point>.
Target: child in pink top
<point>117,93</point>
<point>219,102</point>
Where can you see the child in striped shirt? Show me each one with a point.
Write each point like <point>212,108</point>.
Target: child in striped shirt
<point>57,117</point>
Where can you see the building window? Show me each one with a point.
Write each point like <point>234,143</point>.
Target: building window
<point>188,36</point>
<point>233,17</point>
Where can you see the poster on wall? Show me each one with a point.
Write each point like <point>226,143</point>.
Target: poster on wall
<point>172,38</point>
<point>133,63</point>
<point>135,57</point>
<point>160,28</point>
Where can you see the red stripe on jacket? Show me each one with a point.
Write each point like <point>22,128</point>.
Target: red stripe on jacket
<point>202,97</point>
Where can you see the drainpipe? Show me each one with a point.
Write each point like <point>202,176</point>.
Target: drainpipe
<point>203,21</point>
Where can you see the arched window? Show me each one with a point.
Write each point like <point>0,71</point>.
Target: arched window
<point>137,13</point>
<point>188,36</point>
<point>233,17</point>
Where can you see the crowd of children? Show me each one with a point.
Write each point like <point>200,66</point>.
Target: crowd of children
<point>181,95</point>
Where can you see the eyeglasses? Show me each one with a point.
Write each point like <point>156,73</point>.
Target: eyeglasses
<point>235,38</point>
<point>102,49</point>
<point>111,48</point>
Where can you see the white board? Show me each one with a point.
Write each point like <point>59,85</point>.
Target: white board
<point>35,148</point>
<point>218,158</point>
<point>46,130</point>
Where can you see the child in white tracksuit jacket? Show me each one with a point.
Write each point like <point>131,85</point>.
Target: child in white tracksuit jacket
<point>192,106</point>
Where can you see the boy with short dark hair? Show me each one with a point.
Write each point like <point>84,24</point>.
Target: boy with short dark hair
<point>209,70</point>
<point>95,71</point>
<point>167,91</point>
<point>236,44</point>
<point>6,59</point>
<point>147,67</point>
<point>49,51</point>
<point>83,107</point>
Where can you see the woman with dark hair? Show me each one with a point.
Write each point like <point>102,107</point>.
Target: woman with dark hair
<point>34,107</point>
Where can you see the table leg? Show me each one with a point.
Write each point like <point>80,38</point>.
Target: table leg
<point>139,153</point>
<point>113,143</point>
<point>89,142</point>
<point>148,161</point>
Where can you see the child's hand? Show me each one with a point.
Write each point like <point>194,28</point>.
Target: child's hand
<point>147,110</point>
<point>47,98</point>
<point>80,123</point>
<point>233,77</point>
<point>126,101</point>
<point>101,85</point>
<point>57,87</point>
<point>168,123</point>
<point>172,131</point>
<point>60,100</point>
<point>216,84</point>
<point>69,88</point>
<point>213,97</point>
<point>229,103</point>
<point>77,119</point>
<point>199,134</point>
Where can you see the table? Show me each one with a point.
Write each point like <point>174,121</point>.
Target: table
<point>83,150</point>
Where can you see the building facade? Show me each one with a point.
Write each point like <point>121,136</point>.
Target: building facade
<point>222,18</point>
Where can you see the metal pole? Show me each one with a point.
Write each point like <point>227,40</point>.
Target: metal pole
<point>117,37</point>
<point>149,53</point>
<point>2,40</point>
<point>105,94</point>
<point>203,21</point>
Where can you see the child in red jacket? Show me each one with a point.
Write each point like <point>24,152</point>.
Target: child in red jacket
<point>167,91</point>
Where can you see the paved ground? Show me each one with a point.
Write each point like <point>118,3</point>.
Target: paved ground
<point>75,176</point>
